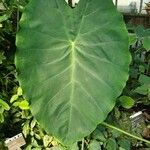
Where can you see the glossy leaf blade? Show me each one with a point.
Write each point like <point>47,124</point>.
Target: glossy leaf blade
<point>72,64</point>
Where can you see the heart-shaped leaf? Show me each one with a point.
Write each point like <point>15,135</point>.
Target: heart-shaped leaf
<point>72,64</point>
<point>126,102</point>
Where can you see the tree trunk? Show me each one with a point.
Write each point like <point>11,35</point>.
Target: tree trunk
<point>116,3</point>
<point>141,4</point>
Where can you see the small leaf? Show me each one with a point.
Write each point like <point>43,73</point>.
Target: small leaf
<point>26,114</point>
<point>117,113</point>
<point>143,90</point>
<point>146,43</point>
<point>111,144</point>
<point>147,32</point>
<point>142,68</point>
<point>1,109</point>
<point>29,147</point>
<point>126,102</point>
<point>4,17</point>
<point>2,7</point>
<point>148,145</point>
<point>143,79</point>
<point>13,98</point>
<point>16,104</point>
<point>115,133</point>
<point>21,8</point>
<point>24,105</point>
<point>35,144</point>
<point>140,31</point>
<point>1,118</point>
<point>2,57</point>
<point>26,128</point>
<point>32,133</point>
<point>4,104</point>
<point>47,140</point>
<point>145,85</point>
<point>125,144</point>
<point>33,123</point>
<point>94,145</point>
<point>98,135</point>
<point>54,143</point>
<point>37,136</point>
<point>132,38</point>
<point>19,91</point>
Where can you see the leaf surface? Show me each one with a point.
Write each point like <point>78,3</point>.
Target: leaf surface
<point>146,43</point>
<point>126,102</point>
<point>4,105</point>
<point>72,64</point>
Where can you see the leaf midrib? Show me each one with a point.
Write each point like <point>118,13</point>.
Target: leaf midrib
<point>72,80</point>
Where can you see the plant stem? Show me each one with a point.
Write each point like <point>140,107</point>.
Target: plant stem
<point>82,146</point>
<point>116,3</point>
<point>124,132</point>
<point>148,68</point>
<point>17,28</point>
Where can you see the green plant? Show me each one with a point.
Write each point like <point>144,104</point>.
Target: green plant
<point>140,68</point>
<point>3,106</point>
<point>119,130</point>
<point>63,65</point>
<point>126,102</point>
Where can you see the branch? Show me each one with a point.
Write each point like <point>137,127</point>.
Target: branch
<point>126,133</point>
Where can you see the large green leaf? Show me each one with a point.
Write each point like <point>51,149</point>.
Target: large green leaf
<point>72,64</point>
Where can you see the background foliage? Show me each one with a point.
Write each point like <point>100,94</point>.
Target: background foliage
<point>15,116</point>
